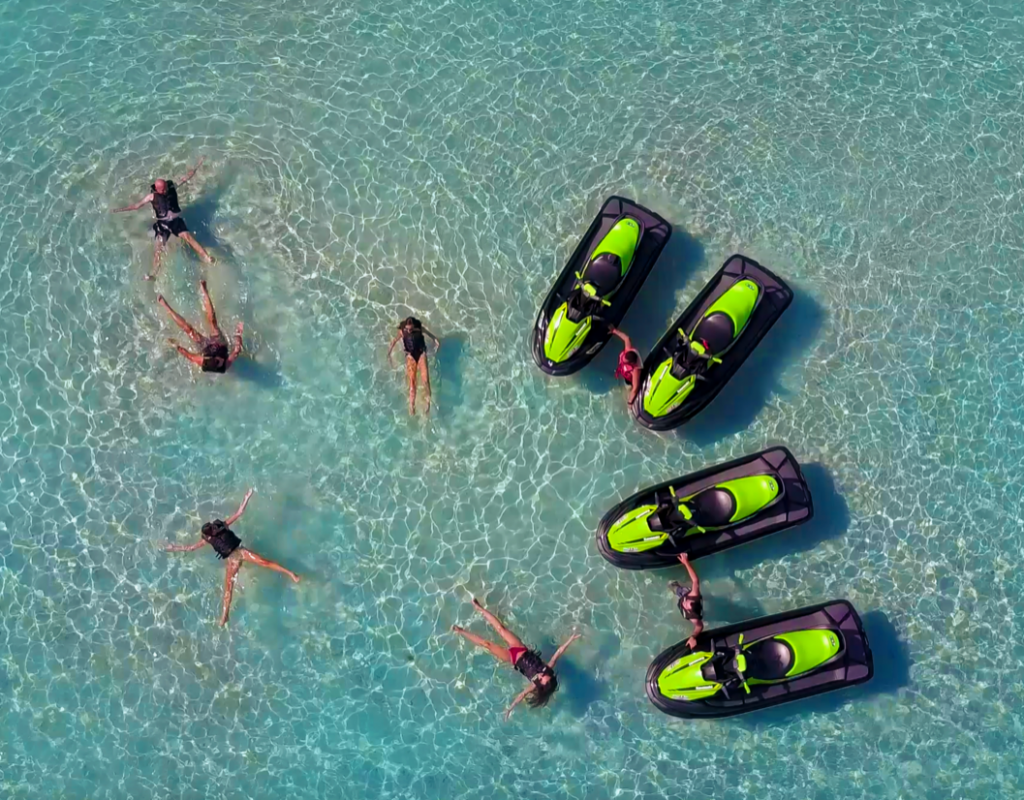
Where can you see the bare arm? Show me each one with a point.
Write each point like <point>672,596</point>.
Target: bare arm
<point>698,627</point>
<point>634,387</point>
<point>241,510</point>
<point>236,351</point>
<point>190,173</point>
<point>437,342</point>
<point>562,649</point>
<point>684,559</point>
<point>625,339</point>
<point>519,698</point>
<point>193,357</point>
<point>393,343</point>
<point>147,199</point>
<point>182,548</point>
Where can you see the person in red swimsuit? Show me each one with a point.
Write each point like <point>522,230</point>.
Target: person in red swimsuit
<point>525,661</point>
<point>630,364</point>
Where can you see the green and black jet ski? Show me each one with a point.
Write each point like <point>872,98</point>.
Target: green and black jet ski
<point>762,662</point>
<point>709,342</point>
<point>708,511</point>
<point>597,285</point>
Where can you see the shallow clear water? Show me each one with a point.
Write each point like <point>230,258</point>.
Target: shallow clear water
<point>370,159</point>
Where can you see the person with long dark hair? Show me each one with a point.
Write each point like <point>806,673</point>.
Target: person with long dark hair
<point>525,661</point>
<point>213,355</point>
<point>691,604</point>
<point>410,331</point>
<point>228,546</point>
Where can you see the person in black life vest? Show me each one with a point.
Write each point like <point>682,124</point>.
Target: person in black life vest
<point>213,355</point>
<point>218,534</point>
<point>164,198</point>
<point>691,604</point>
<point>525,661</point>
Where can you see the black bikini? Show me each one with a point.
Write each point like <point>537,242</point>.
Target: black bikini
<point>531,666</point>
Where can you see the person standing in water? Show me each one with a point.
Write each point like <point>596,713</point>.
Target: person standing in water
<point>411,331</point>
<point>164,198</point>
<point>630,365</point>
<point>228,546</point>
<point>691,604</point>
<point>525,661</point>
<point>213,355</point>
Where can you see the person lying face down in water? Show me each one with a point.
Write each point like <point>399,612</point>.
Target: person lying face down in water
<point>691,604</point>
<point>213,355</point>
<point>630,365</point>
<point>525,661</point>
<point>164,198</point>
<point>218,534</point>
<point>411,331</point>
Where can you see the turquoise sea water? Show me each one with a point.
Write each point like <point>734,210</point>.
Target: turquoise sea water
<point>370,159</point>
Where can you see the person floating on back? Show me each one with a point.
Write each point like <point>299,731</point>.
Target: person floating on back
<point>525,661</point>
<point>691,604</point>
<point>630,365</point>
<point>213,355</point>
<point>228,546</point>
<point>411,331</point>
<point>163,196</point>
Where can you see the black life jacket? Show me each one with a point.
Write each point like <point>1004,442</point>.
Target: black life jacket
<point>221,538</point>
<point>166,203</point>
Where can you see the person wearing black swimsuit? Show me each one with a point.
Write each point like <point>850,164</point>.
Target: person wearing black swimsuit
<point>411,331</point>
<point>527,662</point>
<point>691,604</point>
<point>228,546</point>
<point>213,355</point>
<point>163,196</point>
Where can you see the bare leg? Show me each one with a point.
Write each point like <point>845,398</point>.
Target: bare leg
<point>200,251</point>
<point>211,315</point>
<point>425,375</point>
<point>510,638</point>
<point>230,573</point>
<point>189,330</point>
<point>495,650</point>
<point>259,560</point>
<point>158,250</point>
<point>410,375</point>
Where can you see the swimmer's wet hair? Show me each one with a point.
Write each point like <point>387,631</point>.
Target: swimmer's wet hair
<point>540,695</point>
<point>410,321</point>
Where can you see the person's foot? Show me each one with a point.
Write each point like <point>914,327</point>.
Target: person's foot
<point>203,284</point>
<point>457,629</point>
<point>160,300</point>
<point>150,278</point>
<point>477,603</point>
<point>295,578</point>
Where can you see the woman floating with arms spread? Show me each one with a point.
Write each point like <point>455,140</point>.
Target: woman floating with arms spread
<point>219,535</point>
<point>213,355</point>
<point>411,331</point>
<point>527,662</point>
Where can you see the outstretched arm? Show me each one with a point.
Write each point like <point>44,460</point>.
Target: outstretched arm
<point>684,559</point>
<point>241,510</point>
<point>625,338</point>
<point>237,350</point>
<point>393,343</point>
<point>437,342</point>
<point>195,358</point>
<point>147,199</point>
<point>182,548</point>
<point>698,627</point>
<point>190,173</point>
<point>519,698</point>
<point>562,649</point>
